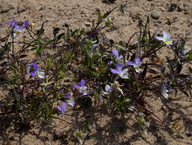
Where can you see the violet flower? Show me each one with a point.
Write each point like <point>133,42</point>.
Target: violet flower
<point>120,71</point>
<point>62,108</point>
<point>35,70</point>
<point>166,38</point>
<point>136,64</point>
<point>82,88</point>
<point>17,29</point>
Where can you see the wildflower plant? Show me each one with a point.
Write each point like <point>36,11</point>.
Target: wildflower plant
<point>123,73</point>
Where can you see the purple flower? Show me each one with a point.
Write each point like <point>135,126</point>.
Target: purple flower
<point>120,71</point>
<point>35,70</point>
<point>17,28</point>
<point>62,108</point>
<point>17,31</point>
<point>136,64</point>
<point>82,88</point>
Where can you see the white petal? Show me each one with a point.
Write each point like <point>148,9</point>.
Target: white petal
<point>187,49</point>
<point>166,35</point>
<point>41,74</point>
<point>107,88</point>
<point>159,38</point>
<point>138,70</point>
<point>168,42</point>
<point>125,71</point>
<point>165,94</point>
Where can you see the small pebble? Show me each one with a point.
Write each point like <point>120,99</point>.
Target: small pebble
<point>155,15</point>
<point>20,9</point>
<point>88,23</point>
<point>172,7</point>
<point>180,7</point>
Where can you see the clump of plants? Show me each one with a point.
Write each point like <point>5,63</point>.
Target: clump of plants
<point>44,78</point>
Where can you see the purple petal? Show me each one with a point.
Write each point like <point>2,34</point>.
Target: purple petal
<point>59,108</point>
<point>26,24</point>
<point>76,86</point>
<point>33,73</point>
<point>8,23</point>
<point>64,105</point>
<point>119,66</point>
<point>62,108</point>
<point>36,67</point>
<point>121,56</point>
<point>115,52</point>
<point>13,23</point>
<point>110,63</point>
<point>82,83</point>
<point>130,63</point>
<point>95,45</point>
<point>68,95</point>
<point>62,92</point>
<point>138,61</point>
<point>114,71</point>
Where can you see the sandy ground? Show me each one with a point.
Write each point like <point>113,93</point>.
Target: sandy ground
<point>78,13</point>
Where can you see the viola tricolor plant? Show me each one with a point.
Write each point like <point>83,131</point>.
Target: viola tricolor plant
<point>121,73</point>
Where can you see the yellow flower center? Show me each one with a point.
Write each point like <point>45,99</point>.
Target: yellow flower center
<point>17,32</point>
<point>166,42</point>
<point>136,67</point>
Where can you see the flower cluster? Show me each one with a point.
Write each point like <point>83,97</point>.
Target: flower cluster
<point>123,73</point>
